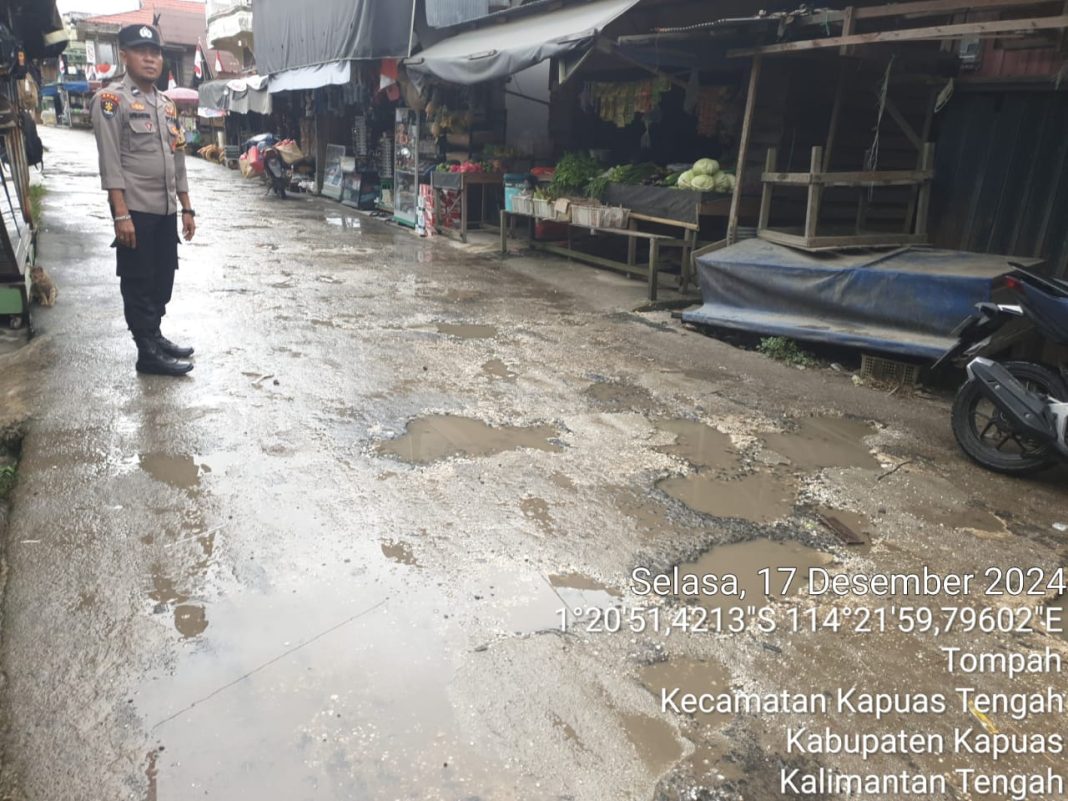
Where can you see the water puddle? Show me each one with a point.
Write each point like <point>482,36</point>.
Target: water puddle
<point>429,439</point>
<point>273,686</point>
<point>617,396</point>
<point>653,739</point>
<point>537,509</point>
<point>190,620</point>
<point>521,604</point>
<point>467,331</point>
<point>744,560</point>
<point>498,369</point>
<point>825,442</point>
<point>399,552</point>
<point>178,471</point>
<point>699,444</point>
<point>710,762</point>
<point>689,676</point>
<point>582,592</point>
<point>340,221</point>
<point>759,498</point>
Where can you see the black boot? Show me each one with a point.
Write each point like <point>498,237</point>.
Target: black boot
<point>168,347</point>
<point>151,359</point>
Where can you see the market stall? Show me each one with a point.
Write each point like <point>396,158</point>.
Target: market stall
<point>452,199</point>
<point>187,101</point>
<point>585,196</point>
<point>70,100</point>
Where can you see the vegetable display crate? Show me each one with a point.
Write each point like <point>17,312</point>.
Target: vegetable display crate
<point>600,216</point>
<point>586,216</point>
<point>543,209</point>
<point>523,204</point>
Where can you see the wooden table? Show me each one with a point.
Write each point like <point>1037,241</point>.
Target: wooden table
<point>459,185</point>
<point>650,272</point>
<point>685,211</point>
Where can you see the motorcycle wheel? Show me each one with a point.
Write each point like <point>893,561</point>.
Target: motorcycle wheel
<point>985,436</point>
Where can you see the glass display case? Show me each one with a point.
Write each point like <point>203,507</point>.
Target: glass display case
<point>406,167</point>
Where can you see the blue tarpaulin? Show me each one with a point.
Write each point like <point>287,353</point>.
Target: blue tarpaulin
<point>905,302</point>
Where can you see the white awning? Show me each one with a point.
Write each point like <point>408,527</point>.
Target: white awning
<point>334,73</point>
<point>497,51</point>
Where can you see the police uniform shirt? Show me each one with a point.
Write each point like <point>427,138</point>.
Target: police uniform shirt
<point>139,141</point>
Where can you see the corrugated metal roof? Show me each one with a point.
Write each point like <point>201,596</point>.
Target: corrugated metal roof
<point>181,22</point>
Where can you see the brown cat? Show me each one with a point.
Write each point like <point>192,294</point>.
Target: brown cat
<point>43,290</point>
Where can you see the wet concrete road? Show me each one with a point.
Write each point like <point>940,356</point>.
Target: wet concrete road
<point>329,564</point>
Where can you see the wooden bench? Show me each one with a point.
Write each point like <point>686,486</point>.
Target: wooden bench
<point>650,272</point>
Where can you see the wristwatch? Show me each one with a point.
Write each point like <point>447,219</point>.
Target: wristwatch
<point>190,212</point>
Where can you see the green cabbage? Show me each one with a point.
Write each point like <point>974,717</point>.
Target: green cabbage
<point>723,182</point>
<point>706,167</point>
<point>685,179</point>
<point>703,183</point>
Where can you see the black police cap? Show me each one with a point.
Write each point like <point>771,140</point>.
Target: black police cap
<point>134,35</point>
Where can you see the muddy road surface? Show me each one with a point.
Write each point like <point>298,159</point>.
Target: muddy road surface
<point>352,555</point>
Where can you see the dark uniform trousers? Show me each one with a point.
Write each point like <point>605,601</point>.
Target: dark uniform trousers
<point>146,273</point>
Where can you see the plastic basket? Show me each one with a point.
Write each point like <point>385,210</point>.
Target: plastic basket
<point>523,204</point>
<point>543,209</point>
<point>614,217</point>
<point>586,215</point>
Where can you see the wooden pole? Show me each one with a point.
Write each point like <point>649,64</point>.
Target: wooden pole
<point>934,32</point>
<point>771,164</point>
<point>815,193</point>
<point>743,147</point>
<point>923,200</point>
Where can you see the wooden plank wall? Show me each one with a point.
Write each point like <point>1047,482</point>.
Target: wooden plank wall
<point>1001,175</point>
<point>795,105</point>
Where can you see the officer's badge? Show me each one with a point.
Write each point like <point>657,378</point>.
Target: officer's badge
<point>172,110</point>
<point>137,106</point>
<point>109,104</point>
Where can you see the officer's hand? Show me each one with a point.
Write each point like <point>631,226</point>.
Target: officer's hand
<point>189,226</point>
<point>125,234</point>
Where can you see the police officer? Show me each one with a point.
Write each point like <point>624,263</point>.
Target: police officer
<point>143,170</point>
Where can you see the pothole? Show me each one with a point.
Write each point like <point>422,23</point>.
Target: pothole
<point>745,560</point>
<point>822,442</point>
<point>699,444</point>
<point>759,498</point>
<point>429,439</point>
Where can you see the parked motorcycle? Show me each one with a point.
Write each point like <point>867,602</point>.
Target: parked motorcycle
<point>275,172</point>
<point>1012,416</point>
